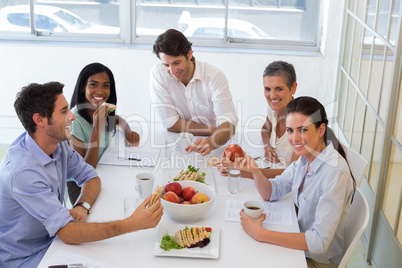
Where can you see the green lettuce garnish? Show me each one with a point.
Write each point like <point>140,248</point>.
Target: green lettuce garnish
<point>168,243</point>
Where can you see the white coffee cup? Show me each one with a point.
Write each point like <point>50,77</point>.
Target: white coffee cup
<point>184,140</point>
<point>253,209</point>
<point>144,184</point>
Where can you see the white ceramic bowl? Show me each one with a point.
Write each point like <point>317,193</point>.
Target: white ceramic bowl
<point>189,213</point>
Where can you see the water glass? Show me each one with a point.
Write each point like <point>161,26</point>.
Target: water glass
<point>184,140</point>
<point>130,205</point>
<point>234,181</point>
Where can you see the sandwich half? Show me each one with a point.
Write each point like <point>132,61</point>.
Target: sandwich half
<point>156,195</point>
<point>178,238</point>
<point>110,106</point>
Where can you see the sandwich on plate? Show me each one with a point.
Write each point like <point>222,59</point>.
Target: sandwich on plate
<point>192,237</point>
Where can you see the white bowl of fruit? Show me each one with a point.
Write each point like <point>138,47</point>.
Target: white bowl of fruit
<point>187,201</point>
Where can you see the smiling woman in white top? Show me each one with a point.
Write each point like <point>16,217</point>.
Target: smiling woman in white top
<point>280,85</point>
<point>320,182</point>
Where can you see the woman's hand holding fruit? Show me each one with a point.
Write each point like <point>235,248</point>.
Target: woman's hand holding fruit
<point>245,163</point>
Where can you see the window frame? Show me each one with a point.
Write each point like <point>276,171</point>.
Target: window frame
<point>128,36</point>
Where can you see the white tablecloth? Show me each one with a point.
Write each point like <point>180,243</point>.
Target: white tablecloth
<point>236,249</point>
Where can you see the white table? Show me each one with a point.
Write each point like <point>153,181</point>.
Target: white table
<point>237,249</point>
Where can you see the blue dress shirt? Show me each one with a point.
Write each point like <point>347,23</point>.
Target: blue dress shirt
<point>323,203</point>
<point>32,186</point>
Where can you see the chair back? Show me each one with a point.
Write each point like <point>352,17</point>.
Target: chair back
<point>358,165</point>
<point>356,223</point>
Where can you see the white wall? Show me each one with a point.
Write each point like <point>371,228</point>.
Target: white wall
<point>21,64</point>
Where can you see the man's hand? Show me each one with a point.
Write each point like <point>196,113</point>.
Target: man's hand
<point>132,139</point>
<point>200,146</point>
<point>146,217</point>
<point>79,214</point>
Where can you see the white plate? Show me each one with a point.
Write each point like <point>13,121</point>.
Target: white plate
<point>210,251</point>
<point>169,174</point>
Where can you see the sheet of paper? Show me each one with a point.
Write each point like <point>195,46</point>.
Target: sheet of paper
<point>62,257</point>
<point>278,213</point>
<point>130,156</point>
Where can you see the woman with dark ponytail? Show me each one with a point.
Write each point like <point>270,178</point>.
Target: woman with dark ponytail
<point>320,181</point>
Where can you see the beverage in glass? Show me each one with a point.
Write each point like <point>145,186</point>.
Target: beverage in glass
<point>234,181</point>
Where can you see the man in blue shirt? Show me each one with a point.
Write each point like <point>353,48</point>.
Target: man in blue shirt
<point>32,184</point>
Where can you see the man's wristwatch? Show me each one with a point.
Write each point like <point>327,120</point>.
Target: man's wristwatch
<point>84,205</point>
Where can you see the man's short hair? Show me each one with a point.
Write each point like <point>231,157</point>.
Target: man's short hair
<point>36,98</point>
<point>172,43</point>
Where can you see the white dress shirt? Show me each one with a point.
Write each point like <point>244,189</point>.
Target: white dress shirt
<point>205,100</point>
<point>323,204</point>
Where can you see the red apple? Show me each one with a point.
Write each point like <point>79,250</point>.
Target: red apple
<point>188,193</point>
<point>173,187</point>
<point>186,203</point>
<point>171,197</point>
<point>199,198</point>
<point>236,151</point>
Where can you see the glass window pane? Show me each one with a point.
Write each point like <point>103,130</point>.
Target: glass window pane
<point>367,148</point>
<point>375,78</point>
<point>350,110</point>
<point>194,20</point>
<point>361,9</point>
<point>398,117</point>
<point>352,5</point>
<point>348,44</point>
<point>365,66</point>
<point>373,175</point>
<point>343,91</point>
<point>12,20</point>
<point>71,17</point>
<point>248,20</point>
<point>268,23</point>
<point>355,62</point>
<point>394,22</point>
<point>371,13</point>
<point>383,18</point>
<point>386,84</point>
<point>393,185</point>
<point>357,124</point>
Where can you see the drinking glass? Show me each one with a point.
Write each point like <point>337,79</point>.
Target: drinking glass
<point>234,181</point>
<point>130,205</point>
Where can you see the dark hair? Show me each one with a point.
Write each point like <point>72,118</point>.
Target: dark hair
<point>36,98</point>
<point>281,68</point>
<point>312,108</point>
<point>172,43</point>
<point>78,98</point>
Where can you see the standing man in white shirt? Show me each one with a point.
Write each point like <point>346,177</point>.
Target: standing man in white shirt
<point>189,95</point>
